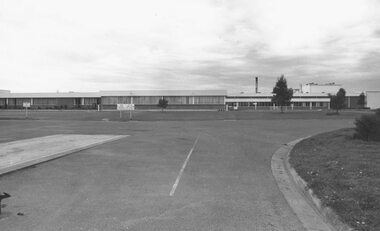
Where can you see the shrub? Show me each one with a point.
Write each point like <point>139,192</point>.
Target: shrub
<point>368,127</point>
<point>377,111</point>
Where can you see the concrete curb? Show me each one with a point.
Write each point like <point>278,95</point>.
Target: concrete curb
<point>308,208</point>
<point>55,155</point>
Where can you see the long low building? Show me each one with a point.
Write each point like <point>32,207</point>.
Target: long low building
<point>264,100</point>
<point>299,101</point>
<point>177,99</point>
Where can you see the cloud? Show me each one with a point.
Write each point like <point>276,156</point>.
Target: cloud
<point>377,33</point>
<point>49,45</point>
<point>370,63</point>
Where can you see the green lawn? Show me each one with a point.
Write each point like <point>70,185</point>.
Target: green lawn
<point>344,173</point>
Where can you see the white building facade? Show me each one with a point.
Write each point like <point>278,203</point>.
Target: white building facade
<point>373,99</point>
<point>328,88</point>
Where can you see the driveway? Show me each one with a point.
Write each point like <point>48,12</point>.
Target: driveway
<point>225,184</point>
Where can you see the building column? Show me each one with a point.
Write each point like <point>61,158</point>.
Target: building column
<point>82,101</point>
<point>31,101</point>
<point>311,105</point>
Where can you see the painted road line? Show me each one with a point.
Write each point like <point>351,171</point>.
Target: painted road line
<point>183,167</point>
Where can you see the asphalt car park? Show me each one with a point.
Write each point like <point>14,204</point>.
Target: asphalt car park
<point>221,167</point>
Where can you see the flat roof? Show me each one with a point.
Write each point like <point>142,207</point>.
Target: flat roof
<point>116,93</point>
<point>161,93</point>
<point>258,95</point>
<point>165,93</point>
<point>51,95</point>
<point>323,84</point>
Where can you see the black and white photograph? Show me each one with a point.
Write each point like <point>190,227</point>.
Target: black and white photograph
<point>194,115</point>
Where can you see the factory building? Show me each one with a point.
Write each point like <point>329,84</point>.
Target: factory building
<point>108,100</point>
<point>298,102</point>
<point>70,100</point>
<point>177,99</point>
<point>264,101</point>
<point>373,99</point>
<point>311,96</point>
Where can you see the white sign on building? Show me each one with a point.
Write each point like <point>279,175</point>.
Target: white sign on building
<point>26,104</point>
<point>125,107</point>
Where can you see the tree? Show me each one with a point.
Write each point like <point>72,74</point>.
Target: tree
<point>162,103</point>
<point>361,100</point>
<point>337,101</point>
<point>282,94</point>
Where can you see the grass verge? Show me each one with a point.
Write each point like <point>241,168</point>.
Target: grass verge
<point>344,173</point>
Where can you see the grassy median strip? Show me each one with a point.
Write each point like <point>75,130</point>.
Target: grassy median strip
<point>344,173</point>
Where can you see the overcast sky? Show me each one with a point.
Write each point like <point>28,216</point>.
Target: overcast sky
<point>75,45</point>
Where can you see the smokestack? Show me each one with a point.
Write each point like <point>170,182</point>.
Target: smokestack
<point>257,84</point>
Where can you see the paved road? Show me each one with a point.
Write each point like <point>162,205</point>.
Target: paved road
<point>124,185</point>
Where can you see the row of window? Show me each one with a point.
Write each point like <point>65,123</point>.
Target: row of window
<point>152,100</point>
<point>269,104</point>
<point>146,100</point>
<point>49,101</point>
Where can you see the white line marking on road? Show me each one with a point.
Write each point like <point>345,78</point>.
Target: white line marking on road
<point>183,167</point>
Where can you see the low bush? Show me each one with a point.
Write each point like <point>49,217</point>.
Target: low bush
<point>368,127</point>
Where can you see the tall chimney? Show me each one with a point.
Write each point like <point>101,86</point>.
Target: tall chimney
<point>257,84</point>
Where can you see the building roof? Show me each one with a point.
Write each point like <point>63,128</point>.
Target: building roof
<point>160,93</point>
<point>312,94</point>
<point>267,94</point>
<point>165,93</point>
<point>51,95</point>
<point>249,94</point>
<point>323,84</point>
<point>116,93</point>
